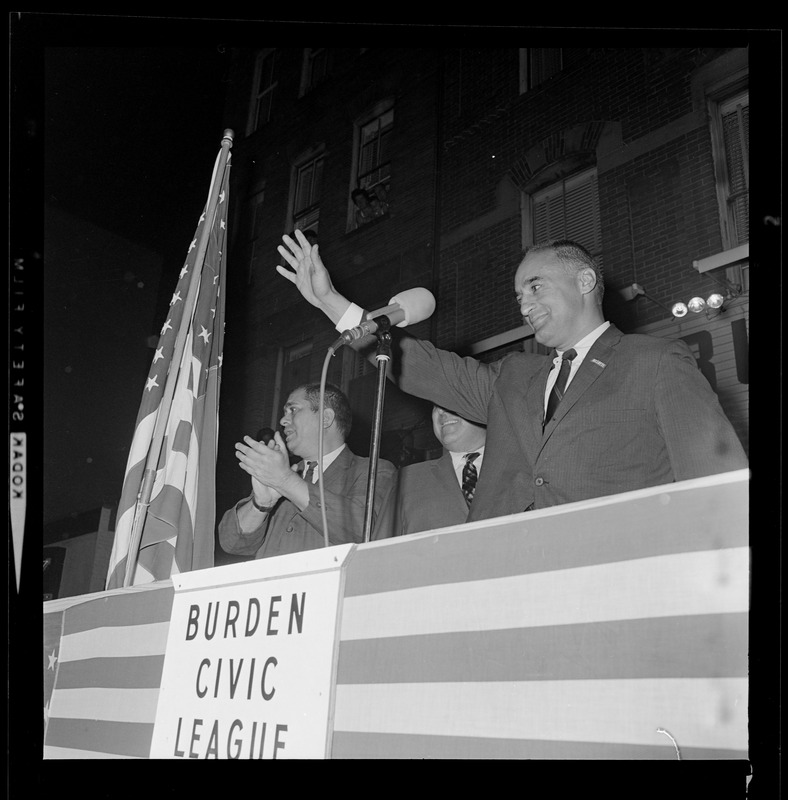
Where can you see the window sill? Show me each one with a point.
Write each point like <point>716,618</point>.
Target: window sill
<point>724,259</point>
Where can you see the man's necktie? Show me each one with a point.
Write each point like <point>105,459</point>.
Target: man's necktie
<point>309,471</point>
<point>469,477</point>
<point>557,392</point>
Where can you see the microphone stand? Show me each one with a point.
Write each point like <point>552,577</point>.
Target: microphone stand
<point>382,356</point>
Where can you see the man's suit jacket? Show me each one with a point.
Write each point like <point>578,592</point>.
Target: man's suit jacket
<point>288,530</point>
<point>637,413</point>
<point>426,496</point>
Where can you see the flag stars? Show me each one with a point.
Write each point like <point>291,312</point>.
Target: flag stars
<point>184,271</point>
<point>194,241</point>
<point>204,334</point>
<point>151,382</point>
<point>158,354</point>
<point>52,658</point>
<point>166,327</point>
<point>176,298</point>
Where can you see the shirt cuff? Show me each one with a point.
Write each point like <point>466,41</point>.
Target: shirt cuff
<point>351,318</point>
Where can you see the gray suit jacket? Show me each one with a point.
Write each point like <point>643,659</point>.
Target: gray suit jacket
<point>426,496</point>
<point>288,530</point>
<point>638,413</point>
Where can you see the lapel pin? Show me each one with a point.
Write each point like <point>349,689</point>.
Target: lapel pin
<point>597,361</point>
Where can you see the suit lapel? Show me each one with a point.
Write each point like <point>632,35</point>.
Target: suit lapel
<point>443,469</point>
<point>536,404</point>
<point>333,476</point>
<point>522,399</point>
<point>334,473</point>
<point>594,364</point>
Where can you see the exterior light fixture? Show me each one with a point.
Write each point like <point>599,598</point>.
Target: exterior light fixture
<point>696,305</point>
<point>715,300</point>
<point>635,290</point>
<point>679,310</point>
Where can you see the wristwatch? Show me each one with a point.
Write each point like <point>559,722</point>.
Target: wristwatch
<point>264,509</point>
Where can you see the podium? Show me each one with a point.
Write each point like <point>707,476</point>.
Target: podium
<point>615,628</point>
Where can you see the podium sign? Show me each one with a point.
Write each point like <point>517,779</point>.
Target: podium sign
<point>248,670</point>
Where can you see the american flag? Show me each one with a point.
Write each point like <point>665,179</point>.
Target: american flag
<point>103,662</point>
<point>178,532</point>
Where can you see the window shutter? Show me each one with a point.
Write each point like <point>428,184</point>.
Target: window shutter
<point>545,62</point>
<point>570,210</point>
<point>306,207</point>
<point>735,117</point>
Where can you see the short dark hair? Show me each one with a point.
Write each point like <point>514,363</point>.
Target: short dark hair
<point>336,400</point>
<point>575,257</point>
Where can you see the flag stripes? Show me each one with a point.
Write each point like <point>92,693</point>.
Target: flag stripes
<point>629,712</point>
<point>553,634</point>
<point>689,585</point>
<point>626,649</point>
<point>416,746</point>
<point>628,526</point>
<point>138,672</point>
<point>614,629</point>
<point>109,673</point>
<point>178,531</point>
<point>97,738</point>
<point>53,626</point>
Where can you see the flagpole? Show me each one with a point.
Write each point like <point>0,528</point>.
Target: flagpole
<point>162,415</point>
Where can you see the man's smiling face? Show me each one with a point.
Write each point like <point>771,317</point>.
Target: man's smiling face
<point>455,433</point>
<point>550,300</point>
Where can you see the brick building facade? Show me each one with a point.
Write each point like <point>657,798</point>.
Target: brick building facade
<point>640,154</point>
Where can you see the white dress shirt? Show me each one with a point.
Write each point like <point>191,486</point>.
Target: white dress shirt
<point>581,348</point>
<point>328,459</point>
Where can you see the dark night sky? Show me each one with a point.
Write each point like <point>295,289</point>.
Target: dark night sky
<point>127,131</point>
<point>127,127</point>
<point>131,135</point>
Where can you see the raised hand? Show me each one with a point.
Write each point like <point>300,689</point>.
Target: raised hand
<point>310,276</point>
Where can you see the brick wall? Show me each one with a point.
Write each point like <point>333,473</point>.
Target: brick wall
<point>466,146</point>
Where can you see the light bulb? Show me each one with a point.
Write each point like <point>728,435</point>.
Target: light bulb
<point>696,305</point>
<point>679,310</point>
<point>715,300</point>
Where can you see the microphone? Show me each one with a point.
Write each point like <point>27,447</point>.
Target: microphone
<point>405,308</point>
<point>264,435</point>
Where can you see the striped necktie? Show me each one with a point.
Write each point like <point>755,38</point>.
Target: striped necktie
<point>309,471</point>
<point>557,392</point>
<point>469,477</point>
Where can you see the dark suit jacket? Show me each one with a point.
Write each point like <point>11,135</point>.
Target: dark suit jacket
<point>638,413</point>
<point>426,496</point>
<point>288,530</point>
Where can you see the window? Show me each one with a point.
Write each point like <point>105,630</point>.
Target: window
<point>315,68</point>
<point>265,79</point>
<point>301,363</point>
<point>537,64</point>
<point>731,145</point>
<point>370,197</point>
<point>568,209</point>
<point>306,208</point>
